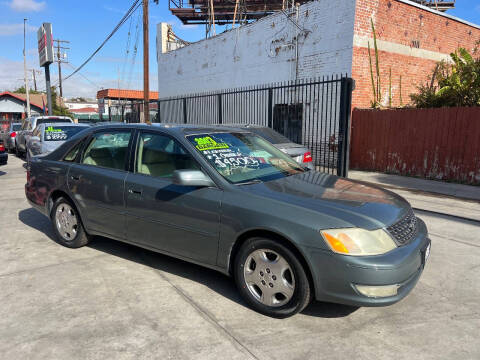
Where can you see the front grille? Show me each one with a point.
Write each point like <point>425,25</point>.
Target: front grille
<point>404,230</point>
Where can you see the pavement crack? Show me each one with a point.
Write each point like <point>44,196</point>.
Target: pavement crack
<point>201,310</point>
<point>454,240</point>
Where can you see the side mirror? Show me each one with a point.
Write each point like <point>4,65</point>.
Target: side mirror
<point>191,178</point>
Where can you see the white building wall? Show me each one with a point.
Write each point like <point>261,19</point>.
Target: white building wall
<point>264,51</point>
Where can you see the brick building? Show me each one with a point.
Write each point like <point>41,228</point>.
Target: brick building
<point>331,38</point>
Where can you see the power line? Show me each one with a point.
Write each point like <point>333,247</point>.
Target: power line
<point>130,11</point>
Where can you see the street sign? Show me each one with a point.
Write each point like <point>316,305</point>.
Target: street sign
<point>45,44</point>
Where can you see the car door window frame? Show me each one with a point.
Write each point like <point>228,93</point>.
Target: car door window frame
<point>133,163</point>
<point>88,140</point>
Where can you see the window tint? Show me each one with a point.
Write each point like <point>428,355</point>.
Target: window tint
<point>52,120</point>
<point>159,155</point>
<point>72,154</point>
<point>16,127</point>
<point>107,150</point>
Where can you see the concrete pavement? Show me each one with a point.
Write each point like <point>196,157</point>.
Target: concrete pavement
<point>437,196</point>
<point>111,300</point>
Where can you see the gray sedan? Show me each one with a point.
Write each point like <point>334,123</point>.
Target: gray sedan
<point>229,200</point>
<point>10,135</point>
<point>49,136</point>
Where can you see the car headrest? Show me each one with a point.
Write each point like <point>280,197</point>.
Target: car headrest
<point>151,156</point>
<point>100,153</point>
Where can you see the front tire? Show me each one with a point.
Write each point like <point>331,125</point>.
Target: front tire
<point>67,224</point>
<point>271,278</point>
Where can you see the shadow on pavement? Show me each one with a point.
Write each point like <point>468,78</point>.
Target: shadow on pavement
<point>2,173</point>
<point>34,219</point>
<point>214,280</point>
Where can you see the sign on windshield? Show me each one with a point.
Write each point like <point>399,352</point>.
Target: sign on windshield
<point>61,133</point>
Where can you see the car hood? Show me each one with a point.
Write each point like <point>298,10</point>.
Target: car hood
<point>352,202</point>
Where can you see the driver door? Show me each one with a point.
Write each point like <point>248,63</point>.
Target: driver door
<point>175,219</point>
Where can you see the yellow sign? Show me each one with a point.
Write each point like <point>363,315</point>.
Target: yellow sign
<point>207,143</point>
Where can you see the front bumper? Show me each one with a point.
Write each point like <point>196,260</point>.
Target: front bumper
<point>335,275</point>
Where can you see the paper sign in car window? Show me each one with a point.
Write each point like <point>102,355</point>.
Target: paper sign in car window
<point>207,143</point>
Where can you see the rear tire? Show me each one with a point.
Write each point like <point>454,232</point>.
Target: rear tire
<point>271,278</point>
<point>67,224</point>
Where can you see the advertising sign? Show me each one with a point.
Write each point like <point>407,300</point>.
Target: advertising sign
<point>45,44</point>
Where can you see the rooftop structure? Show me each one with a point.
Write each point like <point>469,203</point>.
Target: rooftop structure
<point>440,5</point>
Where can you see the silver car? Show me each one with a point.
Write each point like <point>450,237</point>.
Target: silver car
<point>29,126</point>
<point>49,136</point>
<point>10,135</point>
<point>298,152</point>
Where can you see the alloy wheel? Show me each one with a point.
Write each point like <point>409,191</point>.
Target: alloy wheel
<point>66,222</point>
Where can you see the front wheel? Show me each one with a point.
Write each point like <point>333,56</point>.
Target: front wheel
<point>271,278</point>
<point>67,224</point>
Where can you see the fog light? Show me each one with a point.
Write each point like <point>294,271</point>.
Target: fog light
<point>378,291</point>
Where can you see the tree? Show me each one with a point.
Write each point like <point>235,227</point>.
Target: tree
<point>452,84</point>
<point>59,109</point>
<point>21,90</point>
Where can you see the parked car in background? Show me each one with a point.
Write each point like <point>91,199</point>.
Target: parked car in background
<point>3,153</point>
<point>10,135</point>
<point>229,200</point>
<point>29,125</point>
<point>298,152</point>
<point>48,136</point>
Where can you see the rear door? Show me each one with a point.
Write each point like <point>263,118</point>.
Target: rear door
<point>176,219</point>
<point>97,182</point>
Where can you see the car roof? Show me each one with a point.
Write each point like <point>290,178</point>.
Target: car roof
<point>180,128</point>
<point>63,124</point>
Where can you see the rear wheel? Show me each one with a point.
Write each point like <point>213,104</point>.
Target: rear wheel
<point>68,225</point>
<point>271,278</point>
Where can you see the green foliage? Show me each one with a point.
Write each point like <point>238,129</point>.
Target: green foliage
<point>21,90</point>
<point>57,109</point>
<point>455,83</point>
<point>376,87</point>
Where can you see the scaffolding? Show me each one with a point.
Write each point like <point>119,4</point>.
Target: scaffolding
<point>440,5</point>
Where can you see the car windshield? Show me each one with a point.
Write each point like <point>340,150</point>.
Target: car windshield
<point>16,127</point>
<point>244,157</point>
<point>270,135</point>
<point>61,133</point>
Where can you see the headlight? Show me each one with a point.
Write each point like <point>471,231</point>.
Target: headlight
<point>358,242</point>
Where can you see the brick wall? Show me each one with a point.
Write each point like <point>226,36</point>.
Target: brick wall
<point>412,39</point>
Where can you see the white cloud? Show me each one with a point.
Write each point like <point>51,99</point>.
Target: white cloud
<point>27,5</point>
<point>15,29</point>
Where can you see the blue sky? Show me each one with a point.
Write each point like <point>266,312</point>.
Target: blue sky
<point>86,24</point>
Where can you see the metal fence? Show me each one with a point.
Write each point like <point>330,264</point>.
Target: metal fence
<point>314,112</point>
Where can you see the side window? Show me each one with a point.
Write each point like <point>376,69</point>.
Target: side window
<point>37,132</point>
<point>72,154</point>
<point>160,155</point>
<point>108,150</point>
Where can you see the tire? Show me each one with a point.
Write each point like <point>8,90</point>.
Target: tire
<point>271,278</point>
<point>67,224</point>
<point>17,152</point>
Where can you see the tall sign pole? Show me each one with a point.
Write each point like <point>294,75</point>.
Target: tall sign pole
<point>46,57</point>
<point>146,70</point>
<point>25,70</point>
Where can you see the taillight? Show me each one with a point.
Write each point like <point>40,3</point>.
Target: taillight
<point>307,157</point>
<point>2,148</point>
<point>13,134</point>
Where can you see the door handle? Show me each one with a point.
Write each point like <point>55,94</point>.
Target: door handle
<point>136,192</point>
<point>75,177</point>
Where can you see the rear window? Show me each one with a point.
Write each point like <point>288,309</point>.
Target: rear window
<point>61,133</point>
<point>52,120</point>
<point>16,127</point>
<point>270,135</point>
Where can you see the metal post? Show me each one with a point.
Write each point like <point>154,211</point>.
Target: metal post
<point>184,110</point>
<point>146,84</point>
<point>25,70</point>
<point>49,90</point>
<point>343,160</point>
<point>220,115</point>
<point>270,108</point>
<point>34,80</point>
<point>59,70</point>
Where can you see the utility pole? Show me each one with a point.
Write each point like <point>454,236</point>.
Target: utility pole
<point>34,78</point>
<point>146,70</point>
<point>59,61</point>
<point>25,69</point>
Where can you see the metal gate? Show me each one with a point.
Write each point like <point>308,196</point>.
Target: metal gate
<point>315,113</point>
